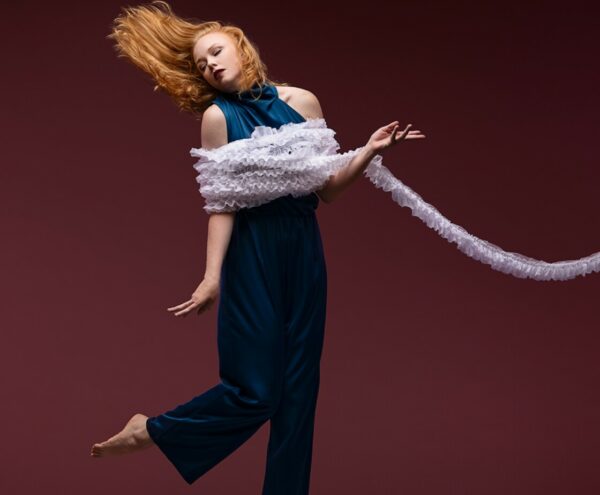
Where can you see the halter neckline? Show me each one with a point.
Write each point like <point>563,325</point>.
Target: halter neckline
<point>255,93</point>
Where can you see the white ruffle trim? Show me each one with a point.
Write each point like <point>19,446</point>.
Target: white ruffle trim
<point>508,262</point>
<point>298,158</point>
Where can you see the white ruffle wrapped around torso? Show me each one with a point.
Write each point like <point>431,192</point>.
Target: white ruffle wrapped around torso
<point>296,159</point>
<point>299,158</point>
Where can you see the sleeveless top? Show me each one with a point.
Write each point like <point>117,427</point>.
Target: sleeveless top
<point>261,105</point>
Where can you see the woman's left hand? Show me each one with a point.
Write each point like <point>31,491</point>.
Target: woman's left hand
<point>387,136</point>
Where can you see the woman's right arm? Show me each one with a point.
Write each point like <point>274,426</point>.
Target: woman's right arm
<point>219,233</point>
<point>220,225</point>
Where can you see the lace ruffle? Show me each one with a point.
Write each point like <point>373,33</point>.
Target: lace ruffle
<point>298,158</point>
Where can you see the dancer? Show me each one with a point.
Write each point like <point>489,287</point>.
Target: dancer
<point>265,264</point>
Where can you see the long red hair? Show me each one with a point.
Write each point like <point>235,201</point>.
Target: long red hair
<point>160,43</point>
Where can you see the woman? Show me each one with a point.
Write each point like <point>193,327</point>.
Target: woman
<point>266,264</point>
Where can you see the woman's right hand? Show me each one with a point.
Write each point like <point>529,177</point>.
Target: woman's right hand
<point>202,299</point>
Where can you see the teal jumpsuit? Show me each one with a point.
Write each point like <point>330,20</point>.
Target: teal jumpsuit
<point>271,322</point>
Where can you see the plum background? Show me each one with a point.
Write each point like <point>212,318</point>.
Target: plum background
<point>439,374</point>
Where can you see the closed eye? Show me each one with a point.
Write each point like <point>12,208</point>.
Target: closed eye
<point>202,67</point>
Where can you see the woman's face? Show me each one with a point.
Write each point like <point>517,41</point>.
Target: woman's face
<point>218,61</point>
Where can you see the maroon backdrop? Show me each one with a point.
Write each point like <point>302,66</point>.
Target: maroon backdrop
<point>439,374</point>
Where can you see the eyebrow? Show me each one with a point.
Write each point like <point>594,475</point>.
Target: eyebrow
<point>209,49</point>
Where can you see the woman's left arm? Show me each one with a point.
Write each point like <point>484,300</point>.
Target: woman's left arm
<point>381,139</point>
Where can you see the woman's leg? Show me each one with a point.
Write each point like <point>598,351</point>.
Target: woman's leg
<point>197,435</point>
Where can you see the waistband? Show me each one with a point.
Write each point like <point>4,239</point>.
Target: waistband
<point>285,206</point>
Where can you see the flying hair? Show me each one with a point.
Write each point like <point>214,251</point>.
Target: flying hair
<point>156,40</point>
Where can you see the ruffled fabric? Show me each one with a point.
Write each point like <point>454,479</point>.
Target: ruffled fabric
<point>296,159</point>
<point>299,158</point>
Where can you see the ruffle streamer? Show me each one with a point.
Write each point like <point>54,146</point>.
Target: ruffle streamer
<point>298,158</point>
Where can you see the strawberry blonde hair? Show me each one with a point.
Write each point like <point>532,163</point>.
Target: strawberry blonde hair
<point>160,43</point>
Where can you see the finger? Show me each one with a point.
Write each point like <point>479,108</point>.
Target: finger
<point>180,306</point>
<point>402,135</point>
<point>184,311</point>
<point>405,131</point>
<point>393,136</point>
<point>187,305</point>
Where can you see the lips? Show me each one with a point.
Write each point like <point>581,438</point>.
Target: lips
<point>218,73</point>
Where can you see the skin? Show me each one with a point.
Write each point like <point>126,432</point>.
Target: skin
<point>215,51</point>
<point>218,51</point>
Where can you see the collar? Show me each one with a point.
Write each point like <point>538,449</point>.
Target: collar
<point>255,93</point>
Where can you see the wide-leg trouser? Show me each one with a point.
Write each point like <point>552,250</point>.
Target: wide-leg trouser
<point>271,321</point>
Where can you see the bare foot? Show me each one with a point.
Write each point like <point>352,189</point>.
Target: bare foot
<point>132,438</point>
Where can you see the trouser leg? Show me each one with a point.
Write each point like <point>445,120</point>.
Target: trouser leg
<point>197,435</point>
<point>289,455</point>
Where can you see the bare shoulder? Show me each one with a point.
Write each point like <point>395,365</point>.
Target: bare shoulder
<point>213,132</point>
<point>302,100</point>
